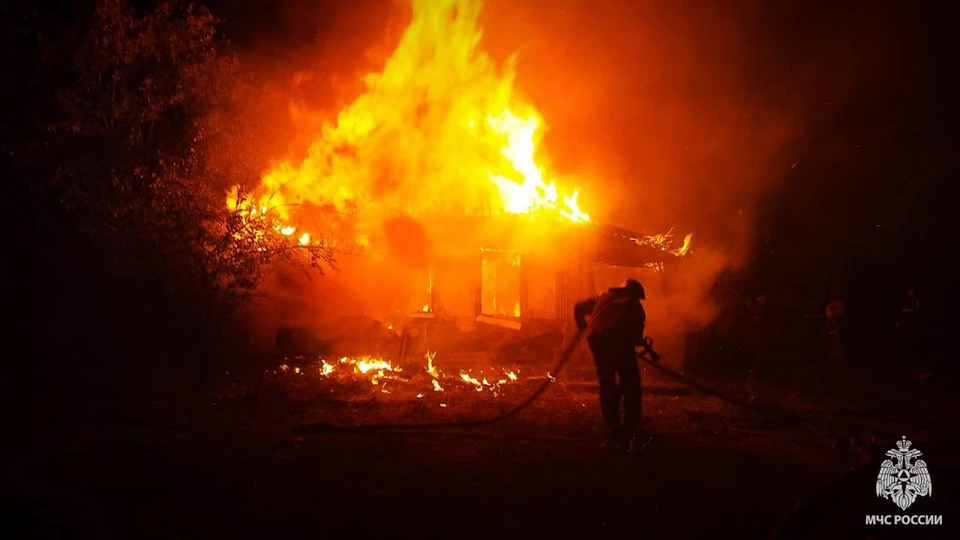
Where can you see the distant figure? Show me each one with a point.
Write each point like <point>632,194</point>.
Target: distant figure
<point>834,313</point>
<point>613,331</point>
<point>910,321</point>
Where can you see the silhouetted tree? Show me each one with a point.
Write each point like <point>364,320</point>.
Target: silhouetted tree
<point>130,213</point>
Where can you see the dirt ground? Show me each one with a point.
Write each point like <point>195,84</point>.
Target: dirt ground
<point>254,458</point>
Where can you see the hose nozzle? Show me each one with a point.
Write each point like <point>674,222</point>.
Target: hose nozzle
<point>648,349</point>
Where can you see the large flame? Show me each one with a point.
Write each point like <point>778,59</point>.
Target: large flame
<point>440,130</point>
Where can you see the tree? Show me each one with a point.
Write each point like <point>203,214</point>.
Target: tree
<point>125,174</point>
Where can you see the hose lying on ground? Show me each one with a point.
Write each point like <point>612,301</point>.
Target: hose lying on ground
<point>766,409</point>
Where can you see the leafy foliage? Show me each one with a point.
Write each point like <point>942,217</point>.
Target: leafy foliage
<point>126,164</point>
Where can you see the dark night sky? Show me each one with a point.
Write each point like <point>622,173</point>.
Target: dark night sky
<point>887,155</point>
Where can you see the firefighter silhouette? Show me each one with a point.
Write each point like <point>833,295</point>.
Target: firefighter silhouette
<point>613,323</point>
<point>909,320</point>
<point>909,326</point>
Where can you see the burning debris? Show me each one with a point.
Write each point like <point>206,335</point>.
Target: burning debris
<point>665,242</point>
<point>377,369</point>
<point>377,372</point>
<point>482,383</point>
<point>433,372</point>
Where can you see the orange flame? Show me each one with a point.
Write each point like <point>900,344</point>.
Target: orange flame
<point>432,369</point>
<point>438,130</point>
<point>378,371</point>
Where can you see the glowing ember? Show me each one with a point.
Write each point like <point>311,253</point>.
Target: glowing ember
<point>376,368</point>
<point>467,378</point>
<point>482,383</point>
<point>367,364</point>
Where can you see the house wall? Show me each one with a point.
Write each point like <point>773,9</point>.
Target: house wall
<point>539,282</point>
<point>467,287</point>
<point>456,286</point>
<point>501,287</point>
<point>550,283</point>
<point>576,283</point>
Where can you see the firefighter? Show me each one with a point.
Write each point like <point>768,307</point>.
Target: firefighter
<point>834,316</point>
<point>613,331</point>
<point>910,322</point>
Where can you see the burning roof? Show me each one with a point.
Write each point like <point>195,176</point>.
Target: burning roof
<point>440,132</point>
<point>627,248</point>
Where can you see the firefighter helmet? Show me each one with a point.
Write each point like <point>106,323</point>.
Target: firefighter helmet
<point>631,288</point>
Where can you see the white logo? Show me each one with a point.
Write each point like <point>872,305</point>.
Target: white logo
<point>901,481</point>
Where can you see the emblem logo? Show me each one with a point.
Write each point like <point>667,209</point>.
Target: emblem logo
<point>901,479</point>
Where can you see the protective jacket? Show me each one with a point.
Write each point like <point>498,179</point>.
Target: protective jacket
<point>613,317</point>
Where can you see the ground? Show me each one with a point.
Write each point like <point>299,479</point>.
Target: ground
<point>258,458</point>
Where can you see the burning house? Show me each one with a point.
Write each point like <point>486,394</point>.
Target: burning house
<point>433,183</point>
<point>511,285</point>
<point>506,278</point>
<point>529,287</point>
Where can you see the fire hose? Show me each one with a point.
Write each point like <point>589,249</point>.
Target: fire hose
<point>782,528</point>
<point>565,356</point>
<point>653,362</point>
<point>650,357</point>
